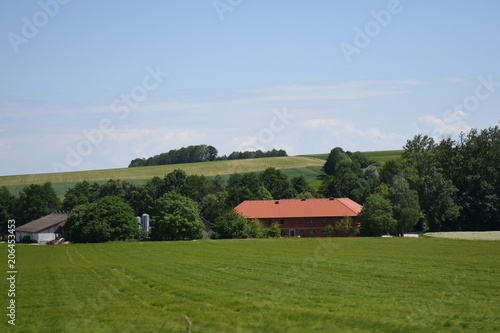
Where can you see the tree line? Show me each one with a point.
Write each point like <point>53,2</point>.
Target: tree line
<point>451,185</point>
<point>200,153</point>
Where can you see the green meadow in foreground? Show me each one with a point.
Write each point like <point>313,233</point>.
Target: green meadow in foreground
<point>269,285</point>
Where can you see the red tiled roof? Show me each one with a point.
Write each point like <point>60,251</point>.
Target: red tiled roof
<point>44,223</point>
<point>293,208</point>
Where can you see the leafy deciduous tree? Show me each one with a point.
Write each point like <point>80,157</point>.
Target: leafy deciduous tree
<point>82,193</point>
<point>8,203</point>
<point>36,201</point>
<point>230,225</point>
<point>176,217</point>
<point>376,217</point>
<point>107,219</point>
<point>213,205</point>
<point>406,209</point>
<point>276,182</point>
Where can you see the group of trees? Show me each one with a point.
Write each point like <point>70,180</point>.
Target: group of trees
<point>243,155</point>
<point>458,182</point>
<point>200,153</point>
<point>33,202</point>
<point>191,154</point>
<point>452,185</point>
<point>349,175</point>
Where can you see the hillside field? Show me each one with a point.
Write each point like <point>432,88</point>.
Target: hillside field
<point>268,285</point>
<point>378,156</point>
<point>292,166</point>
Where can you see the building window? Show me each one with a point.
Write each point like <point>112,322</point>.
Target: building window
<point>301,221</point>
<point>301,232</point>
<point>313,232</point>
<point>311,221</point>
<point>323,220</point>
<point>282,221</point>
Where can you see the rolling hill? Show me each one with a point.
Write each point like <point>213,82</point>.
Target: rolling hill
<point>292,166</point>
<point>308,166</point>
<point>378,156</point>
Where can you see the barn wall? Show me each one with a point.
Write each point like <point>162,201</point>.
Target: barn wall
<point>307,227</point>
<point>45,237</point>
<point>21,234</point>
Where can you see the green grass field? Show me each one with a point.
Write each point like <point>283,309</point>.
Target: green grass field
<point>270,285</point>
<point>378,156</point>
<point>311,174</point>
<point>203,168</point>
<point>292,166</point>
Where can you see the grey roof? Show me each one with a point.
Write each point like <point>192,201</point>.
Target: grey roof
<point>44,223</point>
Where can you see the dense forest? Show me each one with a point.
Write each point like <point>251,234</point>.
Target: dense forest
<point>451,185</point>
<point>200,153</point>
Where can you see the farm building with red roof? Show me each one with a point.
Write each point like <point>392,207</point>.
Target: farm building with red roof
<point>302,217</point>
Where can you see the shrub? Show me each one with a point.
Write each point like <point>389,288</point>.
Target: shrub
<point>256,229</point>
<point>274,231</point>
<point>346,226</point>
<point>231,225</point>
<point>327,230</point>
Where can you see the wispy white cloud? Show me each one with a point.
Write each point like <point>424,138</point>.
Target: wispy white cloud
<point>459,79</point>
<point>347,90</point>
<point>450,125</point>
<point>348,132</point>
<point>323,122</point>
<point>326,115</point>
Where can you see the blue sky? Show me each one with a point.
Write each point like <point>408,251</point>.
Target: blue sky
<point>94,84</point>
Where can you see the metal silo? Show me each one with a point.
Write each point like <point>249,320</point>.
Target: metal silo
<point>145,222</point>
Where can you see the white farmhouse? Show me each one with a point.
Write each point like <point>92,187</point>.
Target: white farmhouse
<point>44,229</point>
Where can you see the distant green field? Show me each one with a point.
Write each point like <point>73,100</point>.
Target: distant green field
<point>62,181</point>
<point>378,156</point>
<point>312,174</point>
<point>467,235</point>
<point>270,285</point>
<point>383,156</point>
